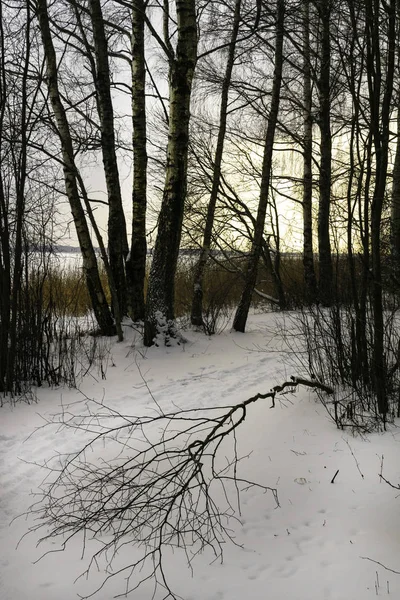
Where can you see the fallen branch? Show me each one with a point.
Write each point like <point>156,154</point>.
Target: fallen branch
<point>392,485</point>
<point>293,383</point>
<point>334,477</point>
<point>380,564</point>
<point>169,484</point>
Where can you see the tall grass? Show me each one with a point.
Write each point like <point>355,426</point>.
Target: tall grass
<point>53,345</point>
<point>65,289</point>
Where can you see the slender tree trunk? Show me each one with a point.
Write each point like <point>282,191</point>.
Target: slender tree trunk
<point>136,264</point>
<point>380,128</point>
<point>97,296</point>
<point>395,206</point>
<point>325,178</point>
<point>5,255</point>
<point>20,176</point>
<point>117,239</point>
<point>103,254</point>
<point>5,282</point>
<point>273,267</point>
<point>160,298</point>
<point>197,301</point>
<point>308,252</point>
<point>276,271</point>
<point>239,323</point>
<point>352,203</point>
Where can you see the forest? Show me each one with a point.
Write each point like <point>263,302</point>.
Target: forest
<point>229,171</point>
<point>260,139</point>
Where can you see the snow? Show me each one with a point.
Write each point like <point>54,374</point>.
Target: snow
<point>320,543</point>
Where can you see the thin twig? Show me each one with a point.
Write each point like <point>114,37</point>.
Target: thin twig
<point>380,564</point>
<point>355,459</point>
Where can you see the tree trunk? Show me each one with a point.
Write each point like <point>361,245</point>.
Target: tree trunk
<point>395,206</point>
<point>97,296</point>
<point>20,176</point>
<point>239,323</point>
<point>160,298</point>
<point>5,283</point>
<point>136,263</point>
<point>380,128</point>
<point>325,178</point>
<point>197,300</point>
<point>308,252</point>
<point>5,254</point>
<point>117,239</point>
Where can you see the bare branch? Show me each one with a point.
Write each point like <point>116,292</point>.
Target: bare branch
<point>170,483</point>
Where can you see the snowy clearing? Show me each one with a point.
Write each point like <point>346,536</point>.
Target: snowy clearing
<point>320,543</point>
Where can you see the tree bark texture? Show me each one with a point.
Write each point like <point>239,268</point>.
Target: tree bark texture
<point>136,264</point>
<point>239,323</point>
<point>117,238</point>
<point>160,297</point>
<point>97,296</point>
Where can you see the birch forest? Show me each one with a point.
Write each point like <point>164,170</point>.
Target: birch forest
<point>207,158</point>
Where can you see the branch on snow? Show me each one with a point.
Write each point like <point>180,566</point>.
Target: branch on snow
<point>154,481</point>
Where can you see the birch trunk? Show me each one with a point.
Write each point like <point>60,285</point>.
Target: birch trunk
<point>117,238</point>
<point>136,264</point>
<point>160,298</point>
<point>90,267</point>
<point>239,323</point>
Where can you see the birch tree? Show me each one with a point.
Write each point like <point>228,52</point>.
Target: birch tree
<point>90,266</point>
<point>160,296</point>
<point>117,239</point>
<point>136,263</point>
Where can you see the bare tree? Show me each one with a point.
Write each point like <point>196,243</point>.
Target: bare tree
<point>97,295</point>
<point>15,128</point>
<point>136,263</point>
<point>325,177</point>
<point>395,209</point>
<point>197,302</point>
<point>117,239</point>
<point>380,106</point>
<point>242,311</point>
<point>160,296</point>
<point>395,204</point>
<point>308,250</point>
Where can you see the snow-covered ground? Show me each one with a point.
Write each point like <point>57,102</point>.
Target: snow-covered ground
<point>320,543</point>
